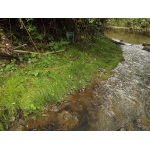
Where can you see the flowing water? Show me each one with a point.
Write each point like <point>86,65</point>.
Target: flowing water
<point>120,103</point>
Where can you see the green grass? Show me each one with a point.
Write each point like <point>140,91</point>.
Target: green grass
<point>46,79</point>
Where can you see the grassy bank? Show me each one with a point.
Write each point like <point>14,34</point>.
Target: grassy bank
<point>131,25</point>
<point>45,79</point>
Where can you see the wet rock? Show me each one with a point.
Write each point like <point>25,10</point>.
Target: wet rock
<point>74,117</point>
<point>147,108</point>
<point>21,122</point>
<point>147,48</point>
<point>122,129</point>
<point>54,108</point>
<point>129,127</point>
<point>20,128</point>
<point>69,93</point>
<point>12,119</point>
<point>82,89</point>
<point>33,129</point>
<point>65,101</point>
<point>66,120</point>
<point>142,124</point>
<point>94,103</point>
<point>78,102</point>
<point>50,127</point>
<point>68,108</point>
<point>92,114</point>
<point>146,44</point>
<point>65,115</point>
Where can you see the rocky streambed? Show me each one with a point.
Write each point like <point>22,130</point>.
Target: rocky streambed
<point>127,106</point>
<point>121,103</point>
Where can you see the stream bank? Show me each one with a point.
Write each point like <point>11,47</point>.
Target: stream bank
<point>121,103</point>
<point>28,87</point>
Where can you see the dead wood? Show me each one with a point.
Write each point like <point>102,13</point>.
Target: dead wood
<point>119,42</point>
<point>17,53</point>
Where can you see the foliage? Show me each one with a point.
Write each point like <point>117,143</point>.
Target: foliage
<point>130,22</point>
<point>136,25</point>
<point>1,127</point>
<point>46,33</point>
<point>11,66</point>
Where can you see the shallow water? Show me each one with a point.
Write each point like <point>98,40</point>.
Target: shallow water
<point>128,100</point>
<point>121,103</point>
<point>133,38</point>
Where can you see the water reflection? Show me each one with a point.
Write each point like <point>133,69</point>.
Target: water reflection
<point>130,37</point>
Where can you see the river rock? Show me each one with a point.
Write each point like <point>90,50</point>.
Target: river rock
<point>66,120</point>
<point>12,119</point>
<point>54,108</point>
<point>21,122</point>
<point>147,48</point>
<point>20,128</point>
<point>129,127</point>
<point>122,129</point>
<point>146,44</point>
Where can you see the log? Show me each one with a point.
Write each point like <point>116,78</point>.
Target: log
<point>120,42</point>
<point>27,52</point>
<point>16,53</point>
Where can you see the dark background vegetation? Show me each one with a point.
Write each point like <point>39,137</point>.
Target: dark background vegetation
<point>48,31</point>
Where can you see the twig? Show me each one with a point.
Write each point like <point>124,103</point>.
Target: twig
<point>10,31</point>
<point>28,33</point>
<point>57,51</point>
<point>19,46</point>
<point>43,28</point>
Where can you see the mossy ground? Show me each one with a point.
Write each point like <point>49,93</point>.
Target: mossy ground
<point>45,79</point>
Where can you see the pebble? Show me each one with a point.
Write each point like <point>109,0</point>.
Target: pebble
<point>34,129</point>
<point>122,129</point>
<point>12,119</point>
<point>66,101</point>
<point>20,128</point>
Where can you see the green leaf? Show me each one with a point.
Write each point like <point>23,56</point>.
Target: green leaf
<point>33,107</point>
<point>36,74</point>
<point>34,118</point>
<point>40,36</point>
<point>25,114</point>
<point>44,115</point>
<point>55,47</point>
<point>21,58</point>
<point>82,37</point>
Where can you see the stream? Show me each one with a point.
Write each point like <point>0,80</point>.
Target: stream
<point>121,103</point>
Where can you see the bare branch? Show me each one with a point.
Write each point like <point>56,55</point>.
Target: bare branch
<point>28,33</point>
